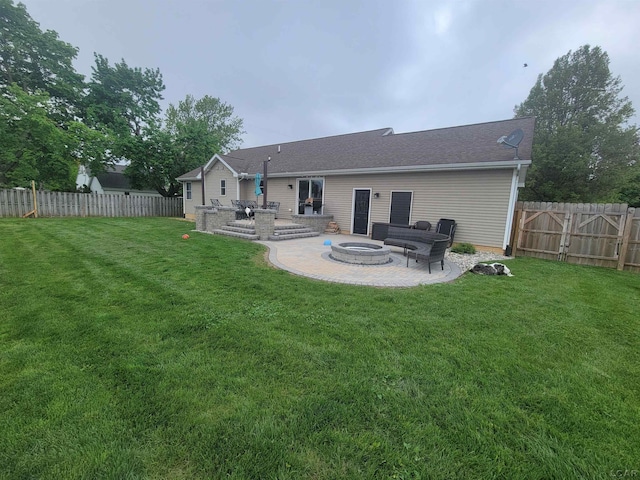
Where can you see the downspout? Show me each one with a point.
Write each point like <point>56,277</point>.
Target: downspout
<point>184,199</point>
<point>513,198</point>
<point>202,181</point>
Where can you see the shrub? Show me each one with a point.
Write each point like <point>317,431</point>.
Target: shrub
<point>463,248</point>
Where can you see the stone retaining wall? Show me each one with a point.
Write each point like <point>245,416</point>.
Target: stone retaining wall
<point>317,223</point>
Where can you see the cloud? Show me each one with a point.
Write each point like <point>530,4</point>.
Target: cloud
<point>304,69</point>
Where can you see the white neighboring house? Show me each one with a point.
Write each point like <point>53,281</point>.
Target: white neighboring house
<point>113,181</point>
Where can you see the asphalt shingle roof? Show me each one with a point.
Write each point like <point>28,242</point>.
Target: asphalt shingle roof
<point>114,178</point>
<point>468,144</point>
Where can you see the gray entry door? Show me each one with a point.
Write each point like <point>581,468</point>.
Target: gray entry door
<point>400,208</point>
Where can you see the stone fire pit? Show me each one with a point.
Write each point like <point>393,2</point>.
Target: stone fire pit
<point>360,253</point>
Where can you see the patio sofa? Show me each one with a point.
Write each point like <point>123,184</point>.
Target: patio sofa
<point>380,231</point>
<point>419,244</point>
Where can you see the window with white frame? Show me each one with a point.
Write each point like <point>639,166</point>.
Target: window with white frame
<point>188,188</point>
<point>223,187</point>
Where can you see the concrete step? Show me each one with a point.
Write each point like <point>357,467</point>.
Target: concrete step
<point>292,231</point>
<point>291,236</point>
<point>230,233</point>
<point>290,226</point>
<point>241,224</point>
<point>240,229</point>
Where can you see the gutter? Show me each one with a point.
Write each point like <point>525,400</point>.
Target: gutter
<point>515,163</point>
<point>408,169</point>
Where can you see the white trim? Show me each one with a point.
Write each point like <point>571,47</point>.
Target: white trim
<point>513,198</point>
<point>376,170</point>
<point>353,211</point>
<point>408,169</point>
<point>218,158</point>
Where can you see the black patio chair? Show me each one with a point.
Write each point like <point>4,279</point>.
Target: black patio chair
<point>240,213</point>
<point>448,227</point>
<point>422,225</point>
<point>215,202</point>
<point>273,206</point>
<point>244,204</point>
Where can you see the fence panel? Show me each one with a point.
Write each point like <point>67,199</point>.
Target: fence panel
<point>542,231</point>
<point>596,234</point>
<point>606,235</point>
<point>630,251</point>
<point>17,203</point>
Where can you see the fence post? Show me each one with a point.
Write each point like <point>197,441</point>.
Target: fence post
<point>515,233</point>
<point>626,236</point>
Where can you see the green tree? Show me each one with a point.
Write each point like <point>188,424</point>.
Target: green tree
<point>38,61</point>
<point>583,149</point>
<point>35,146</point>
<point>630,191</point>
<point>152,164</point>
<point>194,130</point>
<point>123,99</point>
<point>203,127</point>
<point>123,102</point>
<point>40,104</point>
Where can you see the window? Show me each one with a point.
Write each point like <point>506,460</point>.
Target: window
<point>400,208</point>
<point>188,190</point>
<point>223,188</point>
<point>310,188</point>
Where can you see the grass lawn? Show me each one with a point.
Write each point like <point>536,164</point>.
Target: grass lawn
<point>127,352</point>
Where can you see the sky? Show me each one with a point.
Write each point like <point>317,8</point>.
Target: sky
<point>298,69</point>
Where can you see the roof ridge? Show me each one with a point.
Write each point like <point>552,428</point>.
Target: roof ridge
<point>467,125</point>
<point>231,156</point>
<point>384,129</point>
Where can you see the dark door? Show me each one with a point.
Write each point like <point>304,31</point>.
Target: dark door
<point>361,212</point>
<point>400,208</point>
<point>303,194</point>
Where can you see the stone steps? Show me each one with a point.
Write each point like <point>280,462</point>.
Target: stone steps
<point>292,231</point>
<point>281,232</point>
<point>291,234</point>
<point>289,226</point>
<point>243,232</point>
<point>240,229</point>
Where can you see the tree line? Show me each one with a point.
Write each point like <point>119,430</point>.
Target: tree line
<point>584,149</point>
<point>52,120</point>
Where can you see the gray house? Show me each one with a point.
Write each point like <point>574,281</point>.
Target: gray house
<point>461,173</point>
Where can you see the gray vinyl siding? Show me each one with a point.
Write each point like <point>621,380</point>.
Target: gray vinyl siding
<point>277,191</point>
<point>477,200</point>
<point>211,189</point>
<point>196,198</point>
<point>212,185</point>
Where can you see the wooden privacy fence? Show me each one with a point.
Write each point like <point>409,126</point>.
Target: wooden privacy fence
<point>606,235</point>
<point>18,203</point>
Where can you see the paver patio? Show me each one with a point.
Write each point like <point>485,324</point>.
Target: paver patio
<point>310,257</point>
